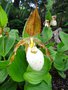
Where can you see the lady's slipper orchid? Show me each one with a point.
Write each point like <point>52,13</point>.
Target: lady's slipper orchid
<point>47,24</point>
<point>53,21</point>
<point>34,57</point>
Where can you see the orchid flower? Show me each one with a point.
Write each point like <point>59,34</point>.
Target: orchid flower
<point>53,21</point>
<point>47,24</point>
<point>34,56</point>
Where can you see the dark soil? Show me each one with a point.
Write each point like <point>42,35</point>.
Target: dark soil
<point>59,83</point>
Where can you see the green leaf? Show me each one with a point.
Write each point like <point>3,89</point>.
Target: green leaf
<point>62,74</point>
<point>0,57</point>
<point>4,64</point>
<point>10,41</point>
<point>64,38</point>
<point>60,61</point>
<point>46,34</point>
<point>3,75</point>
<point>66,24</point>
<point>47,64</point>
<point>49,5</point>
<point>48,79</point>
<point>35,77</point>
<point>3,18</point>
<point>41,86</point>
<point>38,36</point>
<point>2,46</point>
<point>48,15</point>
<point>8,85</point>
<point>18,66</point>
<point>66,65</point>
<point>7,43</point>
<point>59,47</point>
<point>52,52</point>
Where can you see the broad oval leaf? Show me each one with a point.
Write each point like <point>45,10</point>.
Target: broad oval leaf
<point>60,62</point>
<point>10,41</point>
<point>7,43</point>
<point>41,86</point>
<point>17,68</point>
<point>46,34</point>
<point>64,38</point>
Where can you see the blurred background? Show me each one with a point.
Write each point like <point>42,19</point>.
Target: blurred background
<point>18,12</point>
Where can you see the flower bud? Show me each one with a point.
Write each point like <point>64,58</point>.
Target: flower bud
<point>35,58</point>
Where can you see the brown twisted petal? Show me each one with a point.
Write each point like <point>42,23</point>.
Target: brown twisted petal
<point>44,47</point>
<point>20,43</point>
<point>12,58</point>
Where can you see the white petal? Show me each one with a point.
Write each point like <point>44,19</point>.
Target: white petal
<point>0,35</point>
<point>53,23</point>
<point>46,25</point>
<point>35,58</point>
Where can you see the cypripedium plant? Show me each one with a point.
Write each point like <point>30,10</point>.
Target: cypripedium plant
<point>34,56</point>
<point>32,63</point>
<point>53,22</point>
<point>47,23</point>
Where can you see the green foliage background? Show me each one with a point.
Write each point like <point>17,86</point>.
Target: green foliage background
<point>19,74</point>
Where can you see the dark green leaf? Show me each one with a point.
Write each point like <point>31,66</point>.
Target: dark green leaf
<point>8,85</point>
<point>62,74</point>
